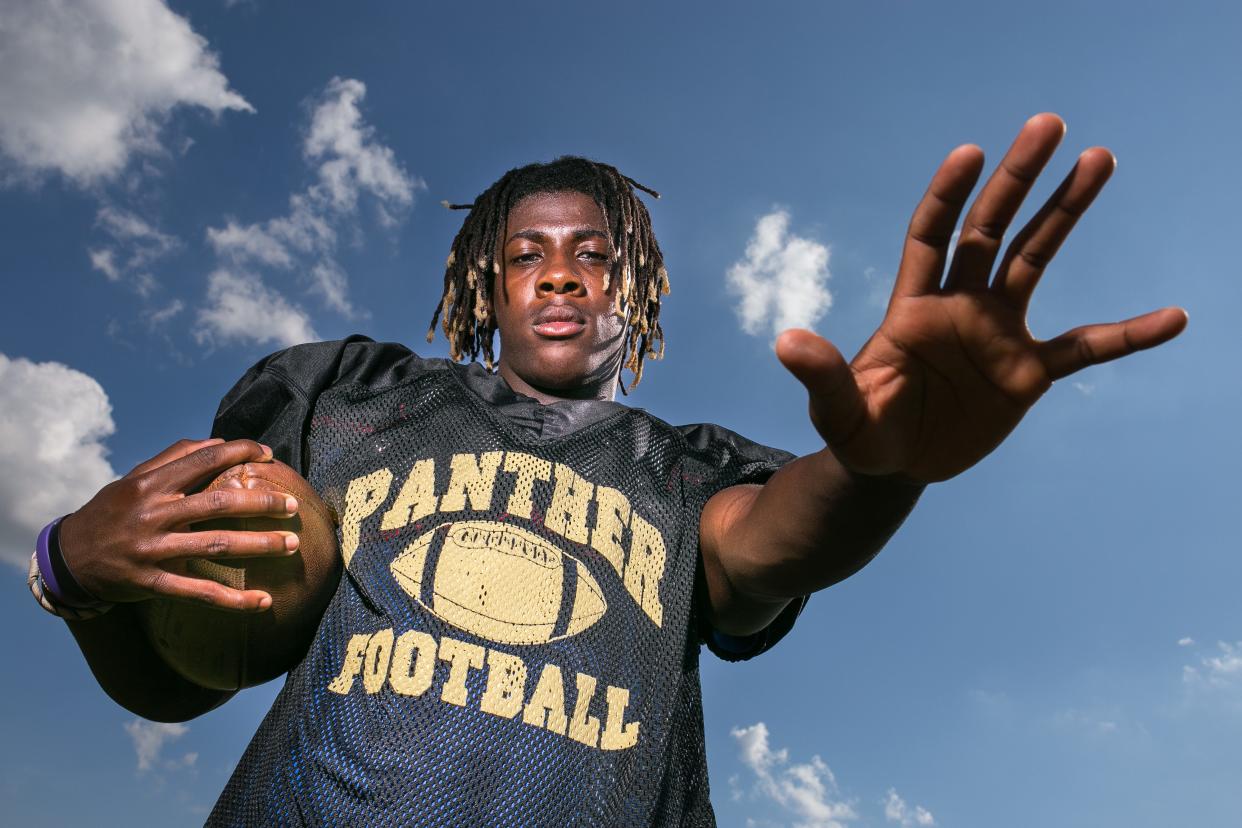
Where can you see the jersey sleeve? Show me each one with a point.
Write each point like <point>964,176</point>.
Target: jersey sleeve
<point>733,460</point>
<point>273,401</point>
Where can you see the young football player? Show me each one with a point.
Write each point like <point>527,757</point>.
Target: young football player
<point>531,568</point>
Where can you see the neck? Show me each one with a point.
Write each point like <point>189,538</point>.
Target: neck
<point>592,388</point>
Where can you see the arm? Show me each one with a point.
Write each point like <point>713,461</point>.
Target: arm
<point>813,524</point>
<point>130,672</point>
<point>948,375</point>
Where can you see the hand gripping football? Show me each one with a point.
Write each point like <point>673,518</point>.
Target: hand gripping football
<point>231,650</point>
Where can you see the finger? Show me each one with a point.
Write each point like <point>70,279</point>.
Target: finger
<point>196,468</point>
<point>837,406</point>
<point>1092,344</point>
<point>220,503</point>
<point>1033,248</point>
<point>223,543</point>
<point>209,593</point>
<point>931,227</point>
<point>176,451</point>
<point>984,226</point>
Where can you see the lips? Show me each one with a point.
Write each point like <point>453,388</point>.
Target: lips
<point>559,321</point>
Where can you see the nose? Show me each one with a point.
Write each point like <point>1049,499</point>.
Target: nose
<point>559,277</point>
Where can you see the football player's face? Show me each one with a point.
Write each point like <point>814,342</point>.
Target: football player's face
<point>559,336</point>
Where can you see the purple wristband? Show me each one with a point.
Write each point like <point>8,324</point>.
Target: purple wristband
<point>68,593</point>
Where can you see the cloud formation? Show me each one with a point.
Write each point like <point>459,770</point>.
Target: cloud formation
<point>135,247</point>
<point>240,308</point>
<point>1221,671</point>
<point>149,739</point>
<point>84,86</point>
<point>53,421</point>
<point>350,161</point>
<point>806,791</point>
<point>349,164</point>
<point>782,280</point>
<point>896,810</point>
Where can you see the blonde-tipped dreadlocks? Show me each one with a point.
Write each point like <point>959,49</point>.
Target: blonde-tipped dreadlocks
<point>637,265</point>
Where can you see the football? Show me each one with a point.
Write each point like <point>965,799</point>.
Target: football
<point>230,650</point>
<point>499,582</point>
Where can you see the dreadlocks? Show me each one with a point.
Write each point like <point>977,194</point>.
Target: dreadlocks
<point>637,264</point>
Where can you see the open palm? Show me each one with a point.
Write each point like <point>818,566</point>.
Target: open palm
<point>953,368</point>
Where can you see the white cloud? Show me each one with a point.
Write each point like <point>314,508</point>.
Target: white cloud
<point>240,308</point>
<point>104,260</point>
<point>249,243</point>
<point>807,791</point>
<point>86,85</point>
<point>350,160</point>
<point>330,282</point>
<point>136,245</point>
<point>149,739</point>
<point>879,288</point>
<point>349,163</point>
<point>782,281</point>
<point>1084,388</point>
<point>896,810</point>
<point>1185,642</point>
<point>1222,671</point>
<point>53,421</point>
<point>1093,723</point>
<point>159,316</point>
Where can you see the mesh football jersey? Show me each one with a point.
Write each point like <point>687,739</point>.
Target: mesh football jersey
<point>515,638</point>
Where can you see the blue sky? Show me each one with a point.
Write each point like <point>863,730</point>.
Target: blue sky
<point>1053,638</point>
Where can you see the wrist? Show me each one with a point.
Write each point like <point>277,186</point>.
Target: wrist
<point>52,582</point>
<point>897,483</point>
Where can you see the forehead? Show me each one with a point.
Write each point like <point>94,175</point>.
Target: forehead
<point>552,211</point>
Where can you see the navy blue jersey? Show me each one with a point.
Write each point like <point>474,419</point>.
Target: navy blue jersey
<point>515,639</point>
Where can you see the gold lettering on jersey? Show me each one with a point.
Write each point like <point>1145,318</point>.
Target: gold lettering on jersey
<point>362,498</point>
<point>417,498</point>
<point>583,727</point>
<point>378,658</point>
<point>618,733</point>
<point>577,510</point>
<point>473,478</point>
<point>567,515</point>
<point>644,567</point>
<point>612,515</point>
<point>506,685</point>
<point>410,665</point>
<point>355,651</point>
<point>546,707</point>
<point>413,663</point>
<point>526,469</point>
<point>461,656</point>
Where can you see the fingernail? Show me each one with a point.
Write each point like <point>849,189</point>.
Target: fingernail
<point>291,505</point>
<point>291,542</point>
<point>265,602</point>
<point>266,449</point>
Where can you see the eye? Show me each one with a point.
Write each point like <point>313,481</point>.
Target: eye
<point>594,256</point>
<point>525,258</point>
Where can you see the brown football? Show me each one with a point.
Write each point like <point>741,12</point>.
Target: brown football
<point>230,650</point>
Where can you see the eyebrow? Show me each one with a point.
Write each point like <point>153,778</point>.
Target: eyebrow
<point>579,234</point>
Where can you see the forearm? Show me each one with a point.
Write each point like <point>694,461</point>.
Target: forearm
<point>133,675</point>
<point>814,523</point>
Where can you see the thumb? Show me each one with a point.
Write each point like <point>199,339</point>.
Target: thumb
<point>836,402</point>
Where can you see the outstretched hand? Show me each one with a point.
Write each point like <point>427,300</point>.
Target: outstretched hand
<point>953,368</point>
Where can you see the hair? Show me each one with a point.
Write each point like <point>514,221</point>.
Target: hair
<point>637,265</point>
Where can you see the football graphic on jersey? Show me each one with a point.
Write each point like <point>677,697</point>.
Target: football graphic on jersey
<point>499,582</point>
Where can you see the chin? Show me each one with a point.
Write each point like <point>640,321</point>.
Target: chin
<point>557,377</point>
<point>565,373</point>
